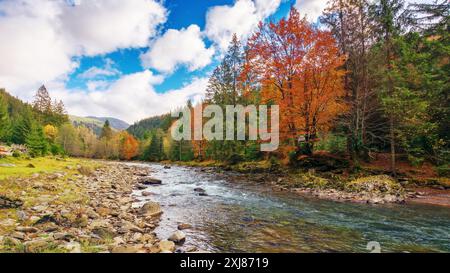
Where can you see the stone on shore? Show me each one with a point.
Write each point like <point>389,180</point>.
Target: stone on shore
<point>9,203</point>
<point>151,209</point>
<point>178,237</point>
<point>73,247</point>
<point>89,209</point>
<point>184,226</point>
<point>166,246</point>
<point>27,229</point>
<point>150,181</point>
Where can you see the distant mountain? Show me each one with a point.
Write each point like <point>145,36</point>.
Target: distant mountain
<point>96,123</point>
<point>115,123</point>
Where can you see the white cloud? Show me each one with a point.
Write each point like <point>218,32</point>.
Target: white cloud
<point>100,72</point>
<point>40,38</point>
<point>178,47</point>
<point>241,18</point>
<point>95,72</point>
<point>312,9</point>
<point>97,85</point>
<point>102,26</point>
<point>31,49</point>
<point>130,98</point>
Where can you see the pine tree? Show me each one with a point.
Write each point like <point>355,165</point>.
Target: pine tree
<point>154,151</point>
<point>224,88</point>
<point>106,131</point>
<point>4,120</point>
<point>42,101</point>
<point>390,19</point>
<point>21,127</point>
<point>35,141</point>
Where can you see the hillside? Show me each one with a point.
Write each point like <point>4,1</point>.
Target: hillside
<point>15,106</point>
<point>115,123</point>
<point>96,123</point>
<point>140,128</point>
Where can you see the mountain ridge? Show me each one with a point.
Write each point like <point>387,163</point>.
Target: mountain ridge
<point>96,123</point>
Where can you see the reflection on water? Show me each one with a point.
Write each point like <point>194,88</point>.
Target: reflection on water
<point>245,217</point>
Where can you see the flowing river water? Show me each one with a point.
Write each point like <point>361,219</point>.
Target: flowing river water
<point>238,216</point>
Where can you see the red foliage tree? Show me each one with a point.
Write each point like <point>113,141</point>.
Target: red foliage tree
<point>299,68</point>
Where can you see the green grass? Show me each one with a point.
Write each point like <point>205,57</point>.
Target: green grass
<point>41,165</point>
<point>19,182</point>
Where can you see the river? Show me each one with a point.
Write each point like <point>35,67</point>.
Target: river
<point>238,216</point>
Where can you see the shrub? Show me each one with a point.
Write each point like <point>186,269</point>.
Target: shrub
<point>16,154</point>
<point>234,159</point>
<point>375,184</point>
<point>443,170</point>
<point>415,161</point>
<point>56,149</point>
<point>332,143</point>
<point>309,180</point>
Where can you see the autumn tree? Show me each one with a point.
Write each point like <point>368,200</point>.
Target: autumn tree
<point>69,140</point>
<point>88,141</point>
<point>299,68</point>
<point>198,145</point>
<point>129,146</point>
<point>50,132</point>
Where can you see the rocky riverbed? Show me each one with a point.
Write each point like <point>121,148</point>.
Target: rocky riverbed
<point>82,209</point>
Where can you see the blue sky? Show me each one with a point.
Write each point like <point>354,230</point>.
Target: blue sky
<point>126,59</point>
<point>182,15</point>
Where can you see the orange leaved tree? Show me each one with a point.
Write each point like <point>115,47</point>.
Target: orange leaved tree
<point>298,67</point>
<point>129,147</point>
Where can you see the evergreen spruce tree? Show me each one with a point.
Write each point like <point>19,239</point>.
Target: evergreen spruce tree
<point>36,142</point>
<point>4,120</point>
<point>106,131</point>
<point>42,101</point>
<point>154,151</point>
<point>390,19</point>
<point>22,127</point>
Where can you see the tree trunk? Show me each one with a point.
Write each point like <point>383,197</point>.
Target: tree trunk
<point>392,141</point>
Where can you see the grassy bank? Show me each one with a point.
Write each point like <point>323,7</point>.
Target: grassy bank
<point>38,181</point>
<point>23,167</point>
<point>337,178</point>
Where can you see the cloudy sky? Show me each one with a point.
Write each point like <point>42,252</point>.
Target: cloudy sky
<point>126,59</point>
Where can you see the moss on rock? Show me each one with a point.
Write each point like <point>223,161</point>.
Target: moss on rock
<point>380,184</point>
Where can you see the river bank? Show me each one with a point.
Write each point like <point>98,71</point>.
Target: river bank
<point>84,207</point>
<point>77,205</point>
<point>367,185</point>
<point>228,211</point>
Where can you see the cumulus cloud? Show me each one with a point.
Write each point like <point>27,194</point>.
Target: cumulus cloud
<point>241,18</point>
<point>178,47</point>
<point>312,9</point>
<point>40,38</point>
<point>102,26</point>
<point>100,72</point>
<point>131,98</point>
